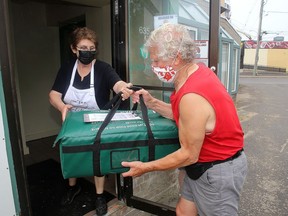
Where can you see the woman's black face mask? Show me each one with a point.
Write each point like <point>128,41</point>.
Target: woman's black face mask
<point>86,57</point>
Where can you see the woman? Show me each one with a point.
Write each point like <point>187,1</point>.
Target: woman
<point>85,85</point>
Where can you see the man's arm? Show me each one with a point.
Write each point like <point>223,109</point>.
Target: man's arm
<point>194,114</point>
<point>158,106</point>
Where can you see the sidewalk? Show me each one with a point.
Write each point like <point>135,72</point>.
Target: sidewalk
<point>249,73</point>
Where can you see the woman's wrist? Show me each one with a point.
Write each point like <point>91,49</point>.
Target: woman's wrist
<point>62,107</point>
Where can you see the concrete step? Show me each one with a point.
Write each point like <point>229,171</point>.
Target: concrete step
<point>119,208</point>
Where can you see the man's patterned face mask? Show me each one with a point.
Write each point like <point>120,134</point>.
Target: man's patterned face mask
<point>165,74</point>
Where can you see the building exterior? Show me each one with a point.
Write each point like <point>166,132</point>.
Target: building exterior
<point>273,55</point>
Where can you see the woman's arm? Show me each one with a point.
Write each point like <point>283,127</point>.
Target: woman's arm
<point>55,99</point>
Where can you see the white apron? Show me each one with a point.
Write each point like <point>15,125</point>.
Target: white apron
<point>81,99</point>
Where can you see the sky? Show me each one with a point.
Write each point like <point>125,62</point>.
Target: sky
<point>245,15</point>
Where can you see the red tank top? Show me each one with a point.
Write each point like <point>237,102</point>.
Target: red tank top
<point>227,137</point>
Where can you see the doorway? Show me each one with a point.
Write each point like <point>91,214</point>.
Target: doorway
<point>65,30</point>
<point>41,45</point>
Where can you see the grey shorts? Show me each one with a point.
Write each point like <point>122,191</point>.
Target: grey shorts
<point>217,191</point>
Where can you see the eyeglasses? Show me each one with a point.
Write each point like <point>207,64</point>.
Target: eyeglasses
<point>84,48</point>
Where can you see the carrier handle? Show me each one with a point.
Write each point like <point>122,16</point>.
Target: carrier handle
<point>109,116</point>
<point>112,112</point>
<point>118,96</point>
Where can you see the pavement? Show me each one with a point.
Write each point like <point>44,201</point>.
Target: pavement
<point>263,110</point>
<point>262,73</point>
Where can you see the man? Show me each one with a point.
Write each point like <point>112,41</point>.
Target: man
<point>210,133</point>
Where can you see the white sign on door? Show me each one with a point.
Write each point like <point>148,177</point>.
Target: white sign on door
<point>160,20</point>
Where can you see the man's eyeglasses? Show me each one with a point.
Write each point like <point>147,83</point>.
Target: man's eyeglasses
<point>84,48</point>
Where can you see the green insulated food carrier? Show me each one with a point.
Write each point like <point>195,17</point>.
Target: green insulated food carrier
<point>98,148</point>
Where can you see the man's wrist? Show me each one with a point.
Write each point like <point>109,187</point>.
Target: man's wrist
<point>151,103</point>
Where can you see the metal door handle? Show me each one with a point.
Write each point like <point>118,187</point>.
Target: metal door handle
<point>213,68</point>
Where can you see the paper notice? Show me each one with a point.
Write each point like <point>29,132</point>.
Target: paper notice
<point>93,117</point>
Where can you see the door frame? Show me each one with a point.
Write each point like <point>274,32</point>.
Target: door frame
<point>16,159</point>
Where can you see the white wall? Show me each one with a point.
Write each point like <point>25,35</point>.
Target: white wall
<point>100,22</point>
<point>37,57</point>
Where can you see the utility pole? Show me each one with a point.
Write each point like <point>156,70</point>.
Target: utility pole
<point>259,37</point>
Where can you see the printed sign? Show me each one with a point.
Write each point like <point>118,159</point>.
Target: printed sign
<point>266,44</point>
<point>201,51</point>
<point>201,48</point>
<point>160,20</point>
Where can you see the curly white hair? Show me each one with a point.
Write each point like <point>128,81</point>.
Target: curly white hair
<point>171,40</point>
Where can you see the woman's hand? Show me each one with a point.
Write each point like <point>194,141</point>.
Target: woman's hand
<point>123,87</point>
<point>64,110</point>
<point>55,99</point>
<point>126,92</point>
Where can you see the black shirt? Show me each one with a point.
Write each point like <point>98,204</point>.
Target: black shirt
<point>105,78</point>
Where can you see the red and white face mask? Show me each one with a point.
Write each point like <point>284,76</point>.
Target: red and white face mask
<point>165,74</point>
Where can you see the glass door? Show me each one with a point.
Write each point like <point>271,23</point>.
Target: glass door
<point>133,21</point>
<point>146,15</point>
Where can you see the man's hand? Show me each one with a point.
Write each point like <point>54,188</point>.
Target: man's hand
<point>146,97</point>
<point>137,168</point>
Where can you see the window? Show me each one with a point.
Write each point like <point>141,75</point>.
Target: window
<point>143,17</point>
<point>234,70</point>
<point>224,75</point>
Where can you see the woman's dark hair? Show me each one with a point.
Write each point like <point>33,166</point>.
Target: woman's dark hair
<point>83,33</point>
